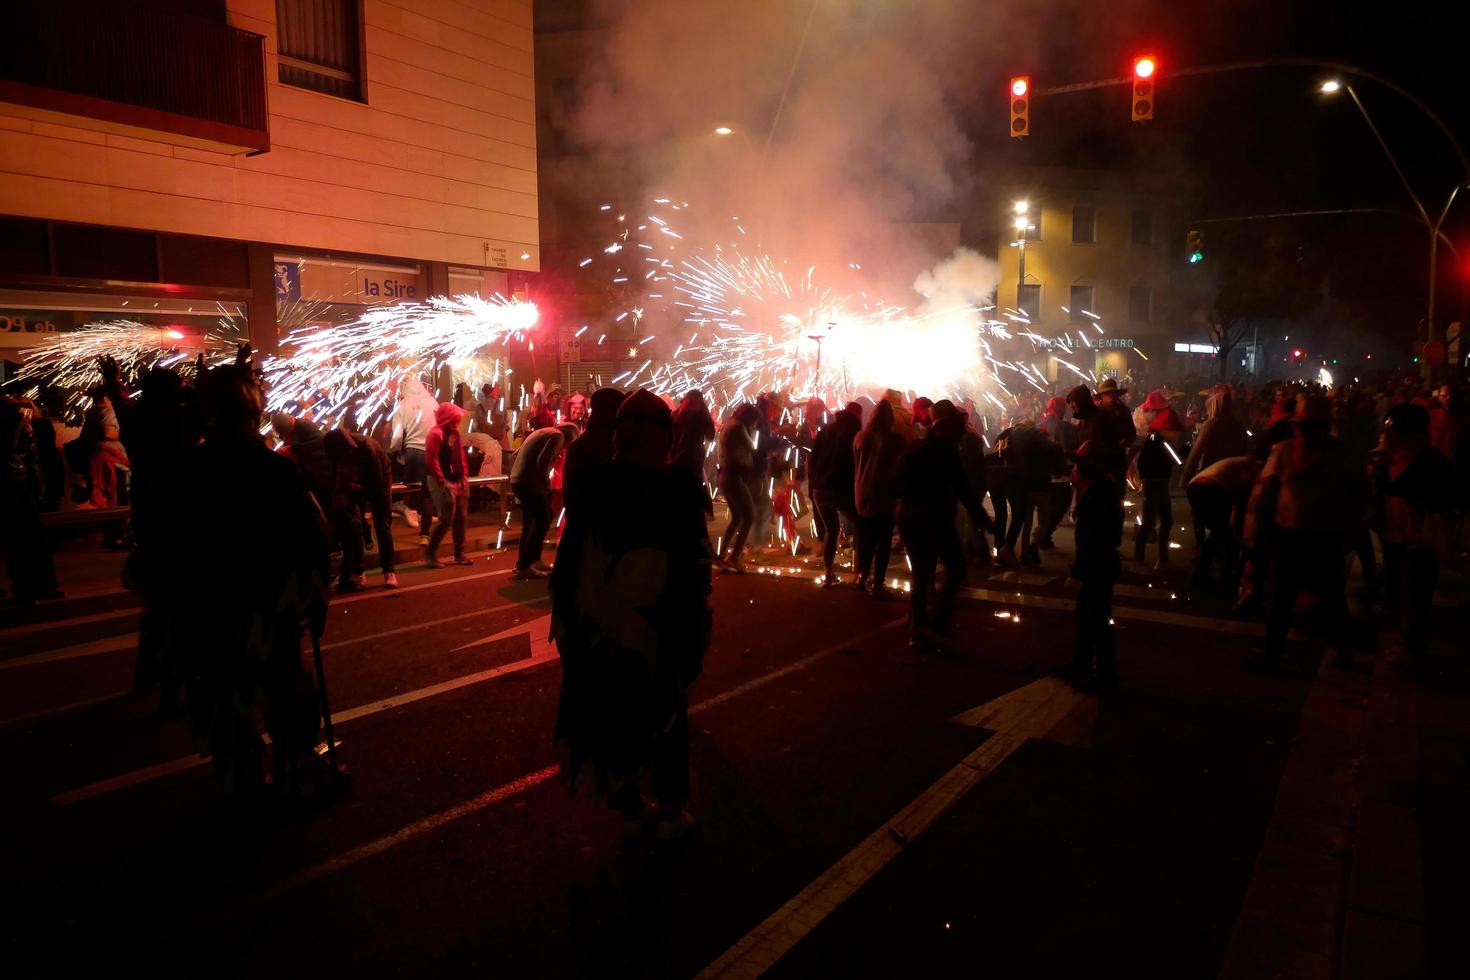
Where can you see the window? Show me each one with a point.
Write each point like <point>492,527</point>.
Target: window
<point>1141,304</point>
<point>1028,300</point>
<point>1143,227</point>
<point>1080,300</point>
<point>319,45</point>
<point>1084,224</point>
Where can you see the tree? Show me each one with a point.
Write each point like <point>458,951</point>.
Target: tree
<point>1247,278</point>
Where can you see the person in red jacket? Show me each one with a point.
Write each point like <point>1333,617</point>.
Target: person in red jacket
<point>448,482</point>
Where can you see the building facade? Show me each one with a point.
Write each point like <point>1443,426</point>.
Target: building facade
<point>258,166</point>
<point>1099,261</point>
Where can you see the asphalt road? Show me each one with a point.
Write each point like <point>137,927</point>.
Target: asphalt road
<point>840,803</point>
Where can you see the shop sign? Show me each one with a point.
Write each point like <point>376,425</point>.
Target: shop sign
<point>26,328</point>
<point>1114,343</point>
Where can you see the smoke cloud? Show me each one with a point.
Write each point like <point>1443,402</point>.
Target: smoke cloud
<point>845,119</point>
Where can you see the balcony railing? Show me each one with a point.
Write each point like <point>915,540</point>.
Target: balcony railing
<point>136,66</point>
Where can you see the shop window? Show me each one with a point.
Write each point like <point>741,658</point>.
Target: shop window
<point>1079,304</point>
<point>1028,300</point>
<point>319,45</point>
<point>1141,304</point>
<point>1084,224</point>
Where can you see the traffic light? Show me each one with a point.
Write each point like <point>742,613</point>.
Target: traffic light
<point>1298,355</point>
<point>1194,246</point>
<point>1020,97</point>
<point>1145,70</point>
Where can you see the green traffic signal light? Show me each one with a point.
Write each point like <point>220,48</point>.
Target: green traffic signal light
<point>1196,257</point>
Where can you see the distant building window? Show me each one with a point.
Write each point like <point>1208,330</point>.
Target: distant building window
<point>1143,226</point>
<point>319,45</point>
<point>1028,300</point>
<point>1080,304</point>
<point>1084,224</point>
<point>1141,304</point>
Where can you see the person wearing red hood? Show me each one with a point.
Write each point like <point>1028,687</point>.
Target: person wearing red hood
<point>1156,460</point>
<point>1054,426</point>
<point>448,482</point>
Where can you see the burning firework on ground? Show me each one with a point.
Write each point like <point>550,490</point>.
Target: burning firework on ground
<point>323,371</point>
<point>69,360</point>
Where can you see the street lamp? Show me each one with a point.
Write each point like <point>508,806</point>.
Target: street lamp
<point>723,130</point>
<point>1022,225</point>
<point>1331,87</point>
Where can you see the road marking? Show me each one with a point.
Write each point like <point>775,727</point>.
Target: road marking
<point>1021,578</point>
<point>150,773</point>
<point>1030,712</point>
<point>513,788</point>
<point>112,644</point>
<point>62,709</point>
<point>338,600</point>
<point>540,635</point>
<point>1188,620</point>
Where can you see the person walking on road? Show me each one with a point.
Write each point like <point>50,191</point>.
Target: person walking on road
<point>832,480</point>
<point>1113,430</point>
<point>930,483</point>
<point>448,478</point>
<point>1099,519</point>
<point>876,452</point>
<point>530,480</point>
<point>631,622</point>
<point>694,430</point>
<point>595,444</point>
<point>1311,491</point>
<point>412,420</point>
<point>737,463</point>
<point>1063,434</point>
<point>364,483</point>
<point>1218,496</point>
<point>27,549</point>
<point>1155,464</point>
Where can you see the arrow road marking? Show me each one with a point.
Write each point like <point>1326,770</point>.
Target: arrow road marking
<point>1034,711</point>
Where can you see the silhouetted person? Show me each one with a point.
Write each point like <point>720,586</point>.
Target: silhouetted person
<point>27,549</point>
<point>876,453</point>
<point>1311,491</point>
<point>1099,519</point>
<point>631,621</point>
<point>930,483</point>
<point>244,620</point>
<point>412,420</point>
<point>364,484</point>
<point>737,466</point>
<point>694,430</point>
<point>833,477</point>
<point>595,444</point>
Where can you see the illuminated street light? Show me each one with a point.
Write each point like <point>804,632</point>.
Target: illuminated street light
<point>723,130</point>
<point>1022,207</point>
<point>1330,87</point>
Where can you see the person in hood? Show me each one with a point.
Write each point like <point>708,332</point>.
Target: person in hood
<point>595,444</point>
<point>412,420</point>
<point>1222,435</point>
<point>832,480</point>
<point>767,446</point>
<point>530,480</point>
<point>930,482</point>
<point>694,430</point>
<point>631,620</point>
<point>903,419</point>
<point>449,487</point>
<point>305,449</point>
<point>1063,435</point>
<point>923,417</point>
<point>737,462</point>
<point>876,452</point>
<point>1099,518</point>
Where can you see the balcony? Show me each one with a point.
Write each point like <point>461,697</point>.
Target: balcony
<point>136,70</point>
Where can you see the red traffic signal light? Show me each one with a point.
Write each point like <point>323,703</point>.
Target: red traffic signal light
<point>1145,70</point>
<point>1020,99</point>
<point>1297,354</point>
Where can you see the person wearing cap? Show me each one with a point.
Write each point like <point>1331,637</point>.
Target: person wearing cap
<point>631,622</point>
<point>412,420</point>
<point>1113,429</point>
<point>530,481</point>
<point>931,481</point>
<point>1416,488</point>
<point>1099,519</point>
<point>833,478</point>
<point>1310,493</point>
<point>1110,403</point>
<point>448,480</point>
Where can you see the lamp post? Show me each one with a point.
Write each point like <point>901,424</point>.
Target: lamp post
<point>1434,225</point>
<point>1022,225</point>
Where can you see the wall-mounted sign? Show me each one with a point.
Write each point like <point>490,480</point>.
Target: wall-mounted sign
<point>1114,343</point>
<point>571,350</point>
<point>324,280</point>
<point>26,328</point>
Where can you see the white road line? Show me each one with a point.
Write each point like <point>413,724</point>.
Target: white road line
<point>150,773</point>
<point>504,792</point>
<point>112,644</point>
<point>1187,620</point>
<point>340,600</point>
<point>62,709</point>
<point>540,629</point>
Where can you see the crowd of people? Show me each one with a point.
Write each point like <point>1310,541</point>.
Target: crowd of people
<point>1284,484</point>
